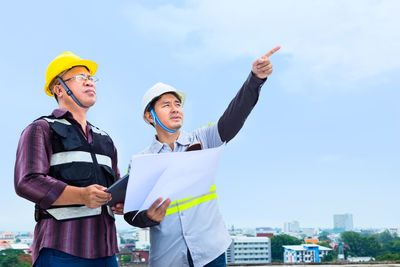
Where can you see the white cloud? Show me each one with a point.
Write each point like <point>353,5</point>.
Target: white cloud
<point>325,41</point>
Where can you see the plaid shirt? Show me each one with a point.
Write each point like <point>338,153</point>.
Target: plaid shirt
<point>93,237</point>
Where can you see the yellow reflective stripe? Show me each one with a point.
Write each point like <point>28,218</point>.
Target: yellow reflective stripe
<point>211,123</point>
<point>189,202</point>
<point>212,188</point>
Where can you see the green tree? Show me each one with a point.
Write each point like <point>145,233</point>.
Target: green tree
<point>126,258</point>
<point>388,257</point>
<point>354,241</point>
<point>385,237</point>
<point>392,247</point>
<point>362,245</point>
<point>323,236</point>
<point>370,246</point>
<point>276,245</point>
<point>14,258</point>
<point>329,257</point>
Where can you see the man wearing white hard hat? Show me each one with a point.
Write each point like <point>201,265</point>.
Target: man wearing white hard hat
<point>64,165</point>
<point>191,232</point>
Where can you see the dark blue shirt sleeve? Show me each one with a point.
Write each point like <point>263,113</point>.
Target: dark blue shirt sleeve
<point>141,220</point>
<point>239,108</point>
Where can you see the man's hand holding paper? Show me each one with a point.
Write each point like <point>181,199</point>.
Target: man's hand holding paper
<point>170,175</point>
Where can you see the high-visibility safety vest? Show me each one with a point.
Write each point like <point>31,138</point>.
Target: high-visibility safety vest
<point>79,163</point>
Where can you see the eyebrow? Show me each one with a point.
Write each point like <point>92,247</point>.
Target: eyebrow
<point>168,101</point>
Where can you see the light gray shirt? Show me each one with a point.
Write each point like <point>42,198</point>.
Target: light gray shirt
<point>200,228</point>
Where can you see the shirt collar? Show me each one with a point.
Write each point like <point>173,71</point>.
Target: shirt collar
<point>62,113</point>
<point>183,140</point>
<point>156,146</point>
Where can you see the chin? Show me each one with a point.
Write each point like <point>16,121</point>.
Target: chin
<point>90,102</point>
<point>174,126</point>
<point>177,127</point>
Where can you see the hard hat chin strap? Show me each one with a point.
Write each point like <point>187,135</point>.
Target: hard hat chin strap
<point>157,120</point>
<point>69,92</point>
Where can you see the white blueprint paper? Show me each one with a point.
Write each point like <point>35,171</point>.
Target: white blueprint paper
<point>174,175</point>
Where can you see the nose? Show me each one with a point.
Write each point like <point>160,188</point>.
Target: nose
<point>175,109</point>
<point>89,83</point>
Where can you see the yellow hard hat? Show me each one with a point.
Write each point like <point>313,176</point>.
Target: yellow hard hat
<point>64,62</point>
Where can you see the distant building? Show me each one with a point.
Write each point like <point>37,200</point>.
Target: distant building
<point>343,222</point>
<point>26,238</point>
<point>7,237</point>
<point>296,235</point>
<point>291,227</point>
<point>143,238</point>
<point>20,246</point>
<point>360,259</point>
<point>309,232</point>
<point>265,235</point>
<point>311,240</point>
<point>304,253</point>
<point>141,255</point>
<point>130,246</point>
<point>394,230</point>
<point>245,249</point>
<point>137,256</point>
<point>4,245</point>
<point>265,232</point>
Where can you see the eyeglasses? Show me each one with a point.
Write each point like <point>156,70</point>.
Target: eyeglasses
<point>81,77</point>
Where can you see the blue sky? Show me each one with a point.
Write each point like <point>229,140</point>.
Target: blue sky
<point>323,138</point>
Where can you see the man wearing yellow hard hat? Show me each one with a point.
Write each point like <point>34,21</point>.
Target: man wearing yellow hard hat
<point>191,232</point>
<point>64,165</point>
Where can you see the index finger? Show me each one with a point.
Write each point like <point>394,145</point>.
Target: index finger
<point>164,206</point>
<point>272,51</point>
<point>166,203</point>
<point>155,204</point>
<point>99,187</point>
<point>102,195</point>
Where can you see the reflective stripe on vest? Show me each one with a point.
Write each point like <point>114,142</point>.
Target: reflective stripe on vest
<point>78,156</point>
<point>189,202</point>
<point>63,121</point>
<point>98,131</point>
<point>67,213</point>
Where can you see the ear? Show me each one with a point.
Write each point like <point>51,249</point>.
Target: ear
<point>58,91</point>
<point>148,117</point>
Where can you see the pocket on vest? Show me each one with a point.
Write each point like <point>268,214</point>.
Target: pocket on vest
<point>77,174</point>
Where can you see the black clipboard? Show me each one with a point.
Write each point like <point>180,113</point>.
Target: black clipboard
<point>118,191</point>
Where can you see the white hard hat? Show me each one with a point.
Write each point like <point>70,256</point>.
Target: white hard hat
<point>157,90</point>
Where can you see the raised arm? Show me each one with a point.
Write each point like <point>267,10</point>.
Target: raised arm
<point>243,103</point>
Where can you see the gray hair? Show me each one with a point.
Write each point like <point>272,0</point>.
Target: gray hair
<point>55,81</point>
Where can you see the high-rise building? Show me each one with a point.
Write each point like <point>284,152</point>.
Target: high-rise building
<point>291,227</point>
<point>343,222</point>
<point>245,249</point>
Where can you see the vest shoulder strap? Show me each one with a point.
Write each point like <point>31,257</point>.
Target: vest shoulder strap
<point>97,130</point>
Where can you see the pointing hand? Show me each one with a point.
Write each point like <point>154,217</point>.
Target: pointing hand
<point>262,67</point>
